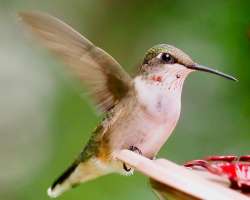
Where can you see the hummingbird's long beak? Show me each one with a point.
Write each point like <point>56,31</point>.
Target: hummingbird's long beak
<point>212,71</point>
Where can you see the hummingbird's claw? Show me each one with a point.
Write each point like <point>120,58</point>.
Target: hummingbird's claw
<point>126,168</point>
<point>134,149</point>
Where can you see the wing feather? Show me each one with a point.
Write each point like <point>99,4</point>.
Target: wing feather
<point>106,80</point>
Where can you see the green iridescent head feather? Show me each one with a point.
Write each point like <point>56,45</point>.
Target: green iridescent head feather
<point>180,56</point>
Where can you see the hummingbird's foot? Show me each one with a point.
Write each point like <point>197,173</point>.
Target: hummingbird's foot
<point>136,150</point>
<point>127,169</point>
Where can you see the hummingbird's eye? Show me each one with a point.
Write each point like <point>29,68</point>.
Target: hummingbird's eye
<point>167,58</point>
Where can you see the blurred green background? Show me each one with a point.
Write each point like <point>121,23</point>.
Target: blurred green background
<point>44,122</point>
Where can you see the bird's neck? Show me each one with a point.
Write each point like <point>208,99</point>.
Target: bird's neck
<point>160,94</point>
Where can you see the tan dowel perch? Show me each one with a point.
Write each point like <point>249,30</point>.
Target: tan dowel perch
<point>186,182</point>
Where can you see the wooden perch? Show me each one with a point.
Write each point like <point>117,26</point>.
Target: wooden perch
<point>178,179</point>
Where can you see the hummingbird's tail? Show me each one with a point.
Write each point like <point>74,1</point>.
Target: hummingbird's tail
<point>74,175</point>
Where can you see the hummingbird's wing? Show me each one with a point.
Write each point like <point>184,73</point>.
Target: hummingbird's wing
<point>106,80</point>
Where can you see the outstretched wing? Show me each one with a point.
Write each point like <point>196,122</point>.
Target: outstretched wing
<point>106,80</point>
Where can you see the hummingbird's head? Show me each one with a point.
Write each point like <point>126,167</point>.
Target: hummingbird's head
<point>164,58</point>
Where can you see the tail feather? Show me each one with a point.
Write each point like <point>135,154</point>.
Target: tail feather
<point>64,176</point>
<point>74,175</point>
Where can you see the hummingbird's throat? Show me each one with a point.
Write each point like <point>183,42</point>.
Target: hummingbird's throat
<point>156,78</point>
<point>168,77</point>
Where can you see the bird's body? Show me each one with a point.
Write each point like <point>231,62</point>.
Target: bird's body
<point>140,113</point>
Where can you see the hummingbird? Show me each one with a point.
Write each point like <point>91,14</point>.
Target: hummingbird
<point>139,113</point>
